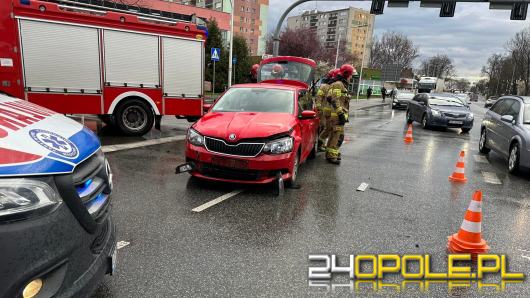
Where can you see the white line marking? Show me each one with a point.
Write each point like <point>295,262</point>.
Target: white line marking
<point>491,178</point>
<point>122,244</point>
<point>119,147</point>
<point>523,250</point>
<point>216,201</point>
<point>480,159</point>
<point>362,187</point>
<point>526,257</point>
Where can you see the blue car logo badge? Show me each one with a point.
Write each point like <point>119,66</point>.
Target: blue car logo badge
<point>232,136</point>
<point>55,143</point>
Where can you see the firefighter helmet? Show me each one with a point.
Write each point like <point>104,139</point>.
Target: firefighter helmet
<point>254,70</point>
<point>277,71</point>
<point>347,71</point>
<point>331,73</point>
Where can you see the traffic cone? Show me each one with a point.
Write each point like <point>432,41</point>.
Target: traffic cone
<point>468,239</point>
<point>458,174</point>
<point>408,137</point>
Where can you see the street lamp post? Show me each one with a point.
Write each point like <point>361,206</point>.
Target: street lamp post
<point>231,50</point>
<point>338,41</point>
<point>362,66</point>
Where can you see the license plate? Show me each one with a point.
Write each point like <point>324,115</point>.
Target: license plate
<point>456,122</point>
<point>230,162</point>
<point>113,261</point>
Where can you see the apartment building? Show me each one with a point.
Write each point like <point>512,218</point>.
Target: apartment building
<point>250,18</point>
<point>354,28</point>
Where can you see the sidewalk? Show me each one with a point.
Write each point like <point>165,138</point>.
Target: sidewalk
<point>365,104</point>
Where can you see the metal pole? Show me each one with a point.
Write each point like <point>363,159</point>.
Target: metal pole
<point>276,36</point>
<point>231,44</point>
<point>213,87</point>
<point>338,46</point>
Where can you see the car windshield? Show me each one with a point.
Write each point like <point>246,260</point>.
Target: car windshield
<point>445,101</point>
<point>526,114</point>
<point>287,70</point>
<point>256,100</point>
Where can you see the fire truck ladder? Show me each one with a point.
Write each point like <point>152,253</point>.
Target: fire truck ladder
<point>158,15</point>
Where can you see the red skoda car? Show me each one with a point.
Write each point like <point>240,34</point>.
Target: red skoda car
<point>255,133</point>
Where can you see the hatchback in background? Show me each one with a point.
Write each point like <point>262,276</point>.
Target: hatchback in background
<point>506,130</point>
<point>466,99</point>
<point>490,101</point>
<point>439,110</point>
<point>402,99</point>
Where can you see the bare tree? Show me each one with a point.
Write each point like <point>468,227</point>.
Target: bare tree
<point>440,66</point>
<point>304,42</point>
<point>519,50</point>
<point>393,48</point>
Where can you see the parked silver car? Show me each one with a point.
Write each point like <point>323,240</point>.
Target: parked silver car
<point>506,130</point>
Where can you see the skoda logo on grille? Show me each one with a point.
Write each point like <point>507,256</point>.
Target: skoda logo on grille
<point>232,136</point>
<point>55,143</point>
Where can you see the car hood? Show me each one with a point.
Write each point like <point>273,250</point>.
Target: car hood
<point>37,141</point>
<point>446,109</point>
<point>244,125</point>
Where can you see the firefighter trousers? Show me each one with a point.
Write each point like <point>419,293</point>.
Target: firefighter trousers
<point>335,139</point>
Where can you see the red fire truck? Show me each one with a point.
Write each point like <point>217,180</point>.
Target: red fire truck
<point>129,68</point>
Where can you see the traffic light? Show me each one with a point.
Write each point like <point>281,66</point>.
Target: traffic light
<point>377,7</point>
<point>518,9</point>
<point>448,9</point>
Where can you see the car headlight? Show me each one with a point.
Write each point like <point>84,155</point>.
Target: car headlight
<point>279,146</point>
<point>470,116</point>
<point>195,138</point>
<point>22,198</point>
<point>435,113</point>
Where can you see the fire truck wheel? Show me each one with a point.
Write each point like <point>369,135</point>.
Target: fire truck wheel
<point>134,117</point>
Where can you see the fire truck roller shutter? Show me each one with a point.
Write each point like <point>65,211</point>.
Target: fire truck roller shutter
<point>131,58</point>
<point>58,57</point>
<point>183,67</point>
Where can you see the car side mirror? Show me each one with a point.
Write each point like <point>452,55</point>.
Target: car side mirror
<point>508,119</point>
<point>308,114</point>
<point>206,107</point>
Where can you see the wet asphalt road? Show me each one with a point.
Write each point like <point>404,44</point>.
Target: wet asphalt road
<point>255,244</point>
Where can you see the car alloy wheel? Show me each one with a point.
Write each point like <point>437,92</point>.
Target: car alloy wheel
<point>294,172</point>
<point>482,143</point>
<point>513,161</point>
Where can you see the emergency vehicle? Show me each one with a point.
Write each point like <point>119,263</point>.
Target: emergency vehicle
<point>126,67</point>
<point>56,233</point>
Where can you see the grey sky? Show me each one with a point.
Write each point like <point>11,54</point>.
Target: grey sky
<point>469,38</point>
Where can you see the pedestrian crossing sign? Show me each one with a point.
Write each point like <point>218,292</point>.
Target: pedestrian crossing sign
<point>216,53</point>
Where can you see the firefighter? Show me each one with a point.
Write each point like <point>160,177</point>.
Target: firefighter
<point>340,104</point>
<point>324,109</point>
<point>254,73</point>
<point>277,71</point>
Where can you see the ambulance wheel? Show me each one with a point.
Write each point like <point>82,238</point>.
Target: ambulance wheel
<point>134,117</point>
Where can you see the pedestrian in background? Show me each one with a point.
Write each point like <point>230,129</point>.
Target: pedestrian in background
<point>383,93</point>
<point>368,92</point>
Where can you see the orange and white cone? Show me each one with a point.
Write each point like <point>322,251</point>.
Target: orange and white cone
<point>459,173</point>
<point>469,239</point>
<point>408,137</point>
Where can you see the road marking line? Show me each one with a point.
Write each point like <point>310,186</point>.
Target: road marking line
<point>122,244</point>
<point>526,257</point>
<point>217,201</point>
<point>362,187</point>
<point>491,178</point>
<point>119,147</point>
<point>480,159</point>
<point>523,250</point>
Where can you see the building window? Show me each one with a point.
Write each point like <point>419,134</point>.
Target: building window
<point>253,21</point>
<point>253,10</point>
<point>241,19</point>
<point>251,30</point>
<point>242,8</point>
<point>241,29</point>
